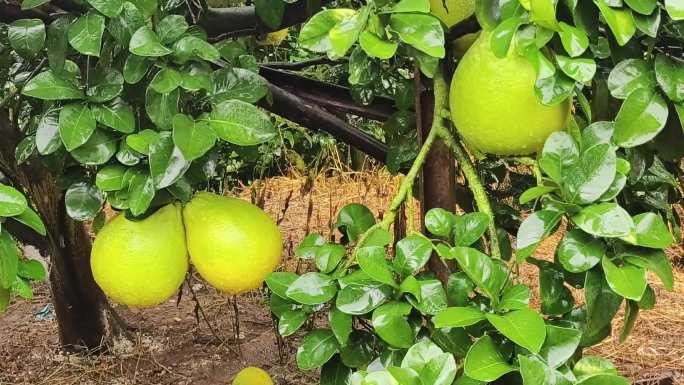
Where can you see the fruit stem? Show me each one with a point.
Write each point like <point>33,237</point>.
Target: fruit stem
<point>476,187</point>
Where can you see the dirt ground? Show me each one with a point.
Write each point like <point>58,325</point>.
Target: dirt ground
<point>169,346</point>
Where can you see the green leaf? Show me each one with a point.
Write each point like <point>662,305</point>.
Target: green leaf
<point>309,246</point>
<point>50,86</point>
<point>457,317</point>
<point>57,42</point>
<point>459,287</point>
<point>166,80</point>
<point>535,372</point>
<point>341,325</point>
<point>192,138</point>
<point>111,178</point>
<point>556,298</point>
<point>534,193</point>
<point>574,40</point>
<point>31,219</point>
<point>602,304</point>
<point>241,123</point>
<point>12,202</point>
<point>377,47</point>
<point>627,280</point>
<point>279,282</point>
<point>30,4</point>
<point>515,297</point>
<point>116,114</point>
<point>141,192</point>
<point>670,77</point>
<point>161,108</point>
<point>650,231</point>
<point>359,350</point>
<point>431,297</point>
<point>76,125</point>
<point>317,348</point>
<point>389,322</point>
<point>85,34</point>
<point>412,253</point>
<point>360,295</point>
<point>171,28</point>
<point>630,75</point>
<point>503,34</point>
<point>83,201</point>
<point>99,149</point>
<point>559,154</point>
<point>631,315</point>
<point>104,84</point>
<point>560,345</point>
<point>580,69</point>
<point>312,289</point>
<point>354,220</point>
<point>554,89</point>
<point>579,252</point>
<point>652,260</point>
<point>429,363</point>
<point>167,163</point>
<point>591,366</point>
<point>373,262</point>
<point>675,8</point>
<point>525,327</point>
<point>147,7</point>
<point>420,6</point>
<point>314,35</point>
<point>605,220</point>
<point>141,141</point>
<point>109,8</point>
<point>619,20</point>
<point>135,68</point>
<point>543,12</point>
<point>644,7</point>
<point>587,180</point>
<point>440,222</point>
<point>191,47</point>
<point>334,372</point>
<point>290,321</point>
<point>490,276</point>
<point>641,118</point>
<point>649,25</point>
<point>31,269</point>
<point>145,42</point>
<point>9,259</point>
<point>47,133</point>
<point>484,361</point>
<point>469,228</point>
<point>345,33</point>
<point>423,32</point>
<point>270,12</point>
<point>237,83</point>
<point>534,229</point>
<point>27,37</point>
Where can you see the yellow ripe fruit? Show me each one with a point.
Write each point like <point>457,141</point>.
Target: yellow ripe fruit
<point>141,263</point>
<point>252,376</point>
<point>494,106</point>
<point>275,38</point>
<point>455,11</point>
<point>233,244</point>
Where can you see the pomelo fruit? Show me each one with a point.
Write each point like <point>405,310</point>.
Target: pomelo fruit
<point>233,244</point>
<point>454,12</point>
<point>494,106</point>
<point>252,376</point>
<point>141,263</point>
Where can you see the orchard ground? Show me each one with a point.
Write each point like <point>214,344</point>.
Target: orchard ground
<point>169,346</point>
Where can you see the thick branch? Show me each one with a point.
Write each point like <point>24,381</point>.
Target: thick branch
<point>310,115</point>
<point>328,95</point>
<point>299,65</point>
<point>469,25</point>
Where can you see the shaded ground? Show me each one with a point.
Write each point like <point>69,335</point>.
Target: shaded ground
<point>170,347</point>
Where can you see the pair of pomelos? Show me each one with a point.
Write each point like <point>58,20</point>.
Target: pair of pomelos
<point>233,245</point>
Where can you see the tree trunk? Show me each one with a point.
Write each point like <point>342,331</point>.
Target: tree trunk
<point>80,306</point>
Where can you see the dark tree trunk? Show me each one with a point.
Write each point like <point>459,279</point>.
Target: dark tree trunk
<point>80,305</point>
<point>437,188</point>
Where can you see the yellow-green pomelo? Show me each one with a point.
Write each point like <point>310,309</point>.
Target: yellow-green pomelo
<point>494,106</point>
<point>252,376</point>
<point>454,12</point>
<point>233,244</point>
<point>141,263</point>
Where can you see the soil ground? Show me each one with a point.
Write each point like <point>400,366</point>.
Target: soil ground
<point>170,346</point>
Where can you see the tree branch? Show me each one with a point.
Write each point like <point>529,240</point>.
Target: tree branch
<point>12,12</point>
<point>329,96</point>
<point>310,115</point>
<point>469,25</point>
<point>296,66</point>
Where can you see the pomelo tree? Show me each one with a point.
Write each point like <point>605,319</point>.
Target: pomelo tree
<point>136,104</point>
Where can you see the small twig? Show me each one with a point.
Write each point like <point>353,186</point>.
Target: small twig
<point>304,63</point>
<point>236,328</point>
<point>469,25</point>
<point>199,310</point>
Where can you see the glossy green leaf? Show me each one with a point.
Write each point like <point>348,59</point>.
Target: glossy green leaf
<point>556,298</point>
<point>83,201</point>
<point>50,86</point>
<point>630,75</point>
<point>104,84</point>
<point>85,34</point>
<point>652,260</point>
<point>317,348</point>
<point>116,114</point>
<point>579,251</point>
<point>559,154</point>
<point>591,365</point>
<point>642,116</point>
<point>30,218</point>
<point>430,363</point>
<point>605,220</point>
<point>354,220</point>
<point>312,289</point>
<point>192,47</point>
<point>166,80</point>
<point>459,288</point>
<point>171,28</point>
<point>145,42</point>
<point>440,222</point>
<point>535,372</point>
<point>345,33</point>
<point>30,4</point>
<point>455,317</point>
<point>389,322</point>
<point>167,163</point>
<point>9,260</point>
<point>412,253</point>
<point>534,229</point>
<point>675,8</point>
<point>631,315</point>
<point>651,231</point>
<point>314,35</point>
<point>627,280</point>
<point>279,282</point>
<point>670,76</point>
<point>341,325</point>
<point>27,37</point>
<point>309,246</point>
<point>291,321</point>
<point>470,227</point>
<point>12,202</point>
<point>601,306</point>
<point>161,108</point>
<point>135,68</point>
<point>432,298</point>
<point>334,372</point>
<point>643,7</point>
<point>525,327</point>
<point>109,8</point>
<point>377,47</point>
<point>241,123</point>
<point>237,83</point>
<point>373,262</point>
<point>141,192</point>
<point>488,275</point>
<point>560,345</point>
<point>192,138</point>
<point>76,125</point>
<point>484,361</point>
<point>110,178</point>
<point>580,69</point>
<point>360,294</point>
<point>619,20</point>
<point>99,149</point>
<point>141,141</point>
<point>515,297</point>
<point>574,40</point>
<point>424,32</point>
